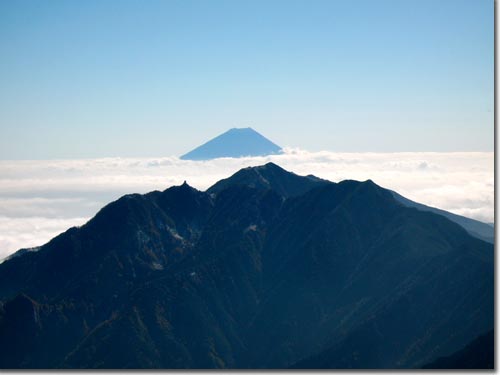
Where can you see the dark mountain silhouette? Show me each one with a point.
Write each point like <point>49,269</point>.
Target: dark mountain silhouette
<point>479,354</point>
<point>476,228</point>
<point>288,184</point>
<point>266,269</point>
<point>234,143</point>
<point>270,176</point>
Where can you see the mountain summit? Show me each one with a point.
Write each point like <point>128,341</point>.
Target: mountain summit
<point>234,143</point>
<point>270,176</point>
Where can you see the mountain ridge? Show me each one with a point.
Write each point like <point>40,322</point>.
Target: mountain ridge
<point>249,275</point>
<point>484,231</point>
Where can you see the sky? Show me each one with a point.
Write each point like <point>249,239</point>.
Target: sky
<point>92,79</point>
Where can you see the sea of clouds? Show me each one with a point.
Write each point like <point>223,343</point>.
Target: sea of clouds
<point>40,199</point>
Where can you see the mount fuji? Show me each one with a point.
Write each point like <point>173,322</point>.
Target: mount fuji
<point>234,143</point>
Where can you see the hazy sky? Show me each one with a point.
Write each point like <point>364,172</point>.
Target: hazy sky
<point>152,78</point>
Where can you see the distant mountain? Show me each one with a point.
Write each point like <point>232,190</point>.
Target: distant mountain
<point>484,231</point>
<point>266,269</point>
<point>234,143</point>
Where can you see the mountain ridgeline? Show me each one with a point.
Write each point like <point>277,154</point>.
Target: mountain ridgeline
<point>266,269</point>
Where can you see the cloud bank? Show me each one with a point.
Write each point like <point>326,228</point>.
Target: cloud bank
<point>40,199</point>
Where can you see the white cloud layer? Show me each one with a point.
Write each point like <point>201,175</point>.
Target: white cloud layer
<point>40,199</point>
<point>17,233</point>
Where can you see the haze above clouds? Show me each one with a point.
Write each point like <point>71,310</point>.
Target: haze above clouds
<point>39,199</point>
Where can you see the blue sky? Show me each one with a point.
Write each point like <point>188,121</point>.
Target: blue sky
<point>151,78</point>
